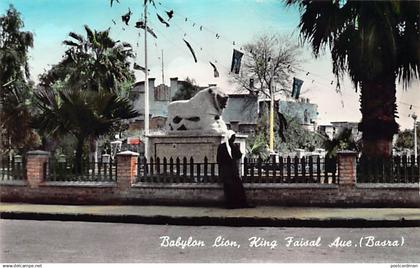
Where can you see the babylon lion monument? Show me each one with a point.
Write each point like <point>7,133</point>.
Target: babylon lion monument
<point>202,112</point>
<point>195,128</point>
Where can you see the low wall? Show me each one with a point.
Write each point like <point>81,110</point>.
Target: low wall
<point>212,195</point>
<point>125,191</point>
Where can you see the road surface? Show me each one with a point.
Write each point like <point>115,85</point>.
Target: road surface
<point>55,241</point>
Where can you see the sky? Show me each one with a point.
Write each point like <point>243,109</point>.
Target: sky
<point>239,21</point>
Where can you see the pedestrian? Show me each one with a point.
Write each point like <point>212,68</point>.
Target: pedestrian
<point>228,157</point>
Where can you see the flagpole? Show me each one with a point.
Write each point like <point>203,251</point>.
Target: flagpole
<point>146,88</point>
<point>163,71</point>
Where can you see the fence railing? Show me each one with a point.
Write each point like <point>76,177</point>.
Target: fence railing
<point>284,170</point>
<point>177,171</point>
<point>398,169</point>
<point>89,171</point>
<point>291,170</point>
<point>12,169</point>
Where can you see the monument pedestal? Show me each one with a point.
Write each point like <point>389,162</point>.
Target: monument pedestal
<point>195,144</point>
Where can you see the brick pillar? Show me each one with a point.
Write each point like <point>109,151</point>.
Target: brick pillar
<point>347,168</point>
<point>36,167</point>
<point>126,169</point>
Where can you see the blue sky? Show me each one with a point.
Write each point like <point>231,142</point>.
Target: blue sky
<point>234,20</point>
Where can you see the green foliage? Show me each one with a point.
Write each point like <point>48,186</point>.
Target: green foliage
<point>187,91</point>
<point>367,38</point>
<point>375,42</point>
<point>83,114</point>
<point>95,63</point>
<point>257,147</point>
<point>80,113</point>
<point>14,46</point>
<point>343,141</point>
<point>405,139</point>
<point>298,137</point>
<point>15,90</point>
<point>84,95</point>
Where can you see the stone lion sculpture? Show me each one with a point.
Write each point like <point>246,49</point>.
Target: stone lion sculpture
<point>202,112</point>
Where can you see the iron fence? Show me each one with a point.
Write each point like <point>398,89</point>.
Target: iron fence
<point>284,170</point>
<point>177,171</point>
<point>89,171</point>
<point>12,168</point>
<point>291,170</point>
<point>397,169</point>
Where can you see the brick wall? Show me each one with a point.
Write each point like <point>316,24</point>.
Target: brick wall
<point>36,167</point>
<point>347,168</point>
<point>346,194</point>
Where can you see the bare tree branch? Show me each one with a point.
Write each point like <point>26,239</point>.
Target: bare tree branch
<point>268,59</point>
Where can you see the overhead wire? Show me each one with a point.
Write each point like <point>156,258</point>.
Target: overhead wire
<point>235,43</point>
<point>203,27</point>
<point>183,49</point>
<point>313,77</point>
<point>220,37</point>
<point>202,52</point>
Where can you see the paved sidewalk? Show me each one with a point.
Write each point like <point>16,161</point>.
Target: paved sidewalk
<point>259,216</point>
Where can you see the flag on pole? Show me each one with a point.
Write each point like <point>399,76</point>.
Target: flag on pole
<point>215,71</point>
<point>170,14</point>
<point>191,50</point>
<point>236,61</point>
<point>140,68</point>
<point>297,85</point>
<point>162,20</point>
<point>126,18</point>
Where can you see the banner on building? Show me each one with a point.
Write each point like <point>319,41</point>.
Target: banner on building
<point>236,61</point>
<point>251,83</point>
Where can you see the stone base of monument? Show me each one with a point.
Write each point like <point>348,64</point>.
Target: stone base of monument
<point>195,144</point>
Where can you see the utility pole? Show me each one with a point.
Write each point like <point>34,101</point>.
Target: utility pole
<point>271,143</point>
<point>414,116</point>
<point>146,88</point>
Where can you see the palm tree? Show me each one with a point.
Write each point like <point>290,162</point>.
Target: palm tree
<point>375,42</point>
<point>82,93</point>
<point>83,114</point>
<point>95,63</point>
<point>343,141</point>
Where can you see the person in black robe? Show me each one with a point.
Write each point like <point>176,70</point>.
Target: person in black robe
<point>228,156</point>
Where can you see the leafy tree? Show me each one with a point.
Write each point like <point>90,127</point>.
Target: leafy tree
<point>188,89</point>
<point>84,93</point>
<point>297,137</point>
<point>15,90</point>
<point>375,42</point>
<point>257,147</point>
<point>83,114</point>
<point>405,139</point>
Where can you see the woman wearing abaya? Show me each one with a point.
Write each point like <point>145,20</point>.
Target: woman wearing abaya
<point>228,156</point>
